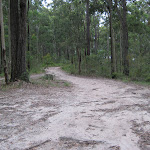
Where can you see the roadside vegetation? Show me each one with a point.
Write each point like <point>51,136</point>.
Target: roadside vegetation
<point>90,38</point>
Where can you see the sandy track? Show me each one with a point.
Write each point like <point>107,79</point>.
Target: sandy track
<point>98,114</point>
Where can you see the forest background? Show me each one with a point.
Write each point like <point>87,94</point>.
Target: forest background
<point>106,38</point>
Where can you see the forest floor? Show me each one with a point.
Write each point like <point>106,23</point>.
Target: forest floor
<point>74,113</point>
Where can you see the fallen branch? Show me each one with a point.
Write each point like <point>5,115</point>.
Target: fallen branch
<point>31,148</point>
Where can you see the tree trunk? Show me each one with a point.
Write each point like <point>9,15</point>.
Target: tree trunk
<point>114,51</point>
<point>113,60</point>
<point>37,42</point>
<point>124,30</point>
<point>120,49</point>
<point>21,67</point>
<point>108,45</point>
<point>3,44</point>
<point>14,28</point>
<point>95,44</point>
<point>88,27</point>
<point>98,39</point>
<point>85,51</point>
<point>1,60</point>
<point>28,63</point>
<point>9,38</point>
<point>79,60</point>
<point>68,56</point>
<point>95,40</point>
<point>125,44</point>
<point>18,39</point>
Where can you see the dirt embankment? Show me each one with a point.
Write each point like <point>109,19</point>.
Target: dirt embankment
<point>88,113</point>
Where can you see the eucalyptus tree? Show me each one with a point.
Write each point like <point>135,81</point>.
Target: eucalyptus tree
<point>18,12</point>
<point>113,53</point>
<point>122,13</point>
<point>88,27</point>
<point>1,55</point>
<point>139,34</point>
<point>107,8</point>
<point>3,43</point>
<point>34,54</point>
<point>5,5</point>
<point>79,31</point>
<point>28,35</point>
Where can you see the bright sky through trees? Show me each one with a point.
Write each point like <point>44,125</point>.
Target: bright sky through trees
<point>47,2</point>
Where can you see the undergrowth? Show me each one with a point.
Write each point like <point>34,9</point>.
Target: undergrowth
<point>95,72</point>
<point>50,82</point>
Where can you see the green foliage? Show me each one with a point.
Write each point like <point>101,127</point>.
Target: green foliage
<point>2,75</point>
<point>47,60</point>
<point>114,75</point>
<point>25,77</point>
<point>46,82</point>
<point>91,65</point>
<point>148,79</point>
<point>12,85</point>
<point>69,68</point>
<point>36,68</point>
<point>56,34</point>
<point>48,77</point>
<point>66,84</point>
<point>96,65</point>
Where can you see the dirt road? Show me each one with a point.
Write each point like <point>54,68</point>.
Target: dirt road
<point>90,114</point>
